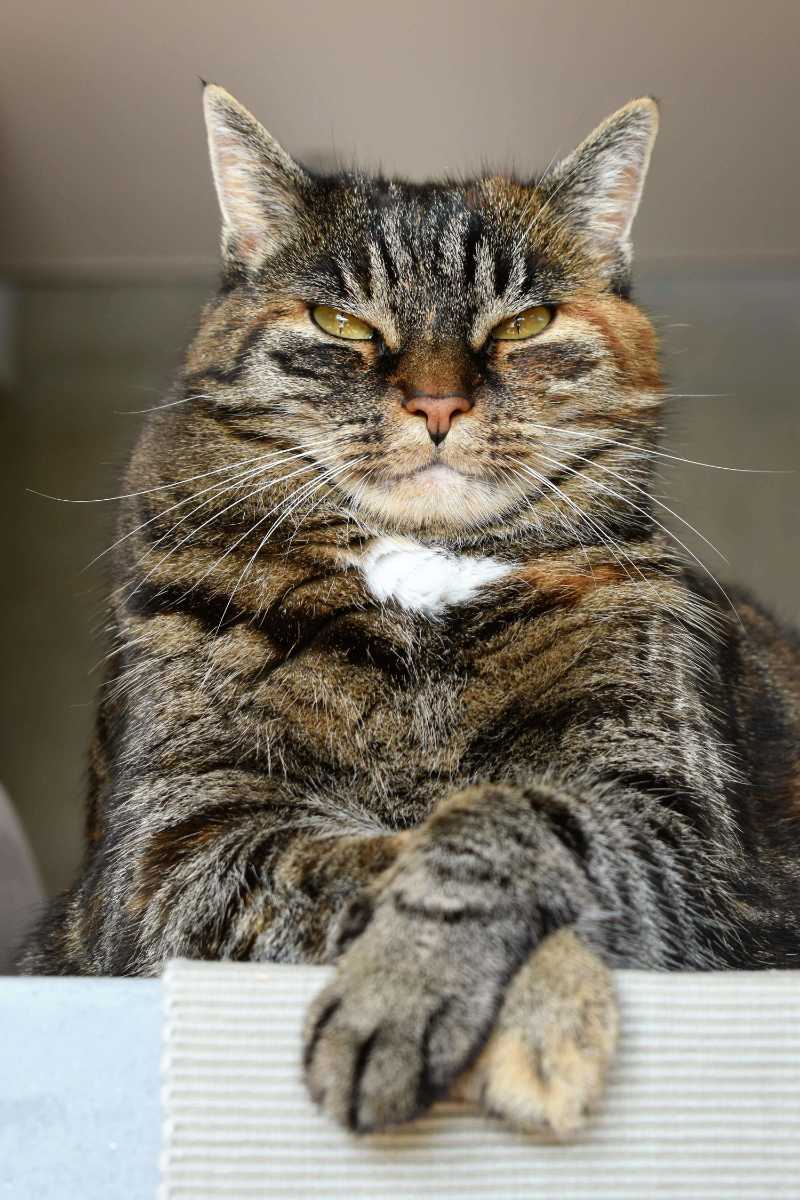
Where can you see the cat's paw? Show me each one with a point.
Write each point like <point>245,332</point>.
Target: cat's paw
<point>397,1025</point>
<point>544,1066</point>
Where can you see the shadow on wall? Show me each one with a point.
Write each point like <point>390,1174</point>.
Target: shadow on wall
<point>85,357</point>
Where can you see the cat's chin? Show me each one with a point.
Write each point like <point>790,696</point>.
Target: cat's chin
<point>435,496</point>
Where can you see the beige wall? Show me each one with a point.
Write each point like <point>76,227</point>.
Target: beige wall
<point>103,155</point>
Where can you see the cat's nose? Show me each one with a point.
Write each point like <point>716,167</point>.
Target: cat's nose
<point>438,412</point>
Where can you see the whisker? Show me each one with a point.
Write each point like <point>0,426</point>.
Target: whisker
<point>351,512</point>
<point>346,511</point>
<point>147,491</point>
<point>215,516</point>
<point>642,491</point>
<point>300,491</point>
<point>602,533</point>
<point>603,487</point>
<point>614,546</point>
<point>693,462</point>
<point>571,526</point>
<point>218,488</point>
<point>695,395</point>
<point>135,412</point>
<point>331,473</point>
<point>260,472</point>
<point>562,517</point>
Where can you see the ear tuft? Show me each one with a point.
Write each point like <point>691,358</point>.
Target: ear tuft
<point>259,186</point>
<point>599,186</point>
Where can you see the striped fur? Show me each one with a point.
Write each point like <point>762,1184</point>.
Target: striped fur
<point>572,730</point>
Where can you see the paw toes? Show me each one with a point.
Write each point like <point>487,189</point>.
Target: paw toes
<point>527,1090</point>
<point>520,1090</point>
<point>363,1077</point>
<point>330,1072</point>
<point>386,1088</point>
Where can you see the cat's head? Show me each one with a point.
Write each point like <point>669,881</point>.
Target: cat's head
<point>457,355</point>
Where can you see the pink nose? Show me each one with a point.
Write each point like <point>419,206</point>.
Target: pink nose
<point>438,412</point>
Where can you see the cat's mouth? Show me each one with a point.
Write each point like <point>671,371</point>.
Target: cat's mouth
<point>433,472</point>
<point>434,494</point>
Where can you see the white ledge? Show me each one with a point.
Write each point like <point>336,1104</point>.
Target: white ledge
<point>703,1102</point>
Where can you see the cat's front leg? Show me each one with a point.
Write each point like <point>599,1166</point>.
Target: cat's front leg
<point>545,1064</point>
<point>436,945</point>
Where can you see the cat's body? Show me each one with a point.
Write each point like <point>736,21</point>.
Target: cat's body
<point>458,694</point>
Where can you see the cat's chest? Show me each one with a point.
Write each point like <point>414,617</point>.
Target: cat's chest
<point>372,663</point>
<point>426,580</point>
<point>405,671</point>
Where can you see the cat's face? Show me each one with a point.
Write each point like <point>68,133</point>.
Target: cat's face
<point>438,349</point>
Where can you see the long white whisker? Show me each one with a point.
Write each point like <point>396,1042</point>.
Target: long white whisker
<point>217,488</point>
<point>215,516</point>
<point>693,462</point>
<point>162,487</point>
<point>643,492</point>
<point>695,395</point>
<point>603,487</point>
<point>135,412</point>
<point>599,530</point>
<point>300,491</point>
<point>614,546</point>
<point>262,472</point>
<point>331,473</point>
<point>343,512</point>
<point>351,507</point>
<point>513,476</point>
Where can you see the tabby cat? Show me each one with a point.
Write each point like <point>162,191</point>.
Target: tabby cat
<point>406,674</point>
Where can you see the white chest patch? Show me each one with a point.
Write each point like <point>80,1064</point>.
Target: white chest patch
<point>424,579</point>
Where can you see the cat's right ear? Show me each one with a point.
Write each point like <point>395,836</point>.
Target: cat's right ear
<point>259,186</point>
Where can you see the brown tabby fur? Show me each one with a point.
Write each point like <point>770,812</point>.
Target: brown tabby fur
<point>591,761</point>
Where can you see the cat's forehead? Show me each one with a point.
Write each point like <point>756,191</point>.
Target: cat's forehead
<point>432,219</point>
<point>454,246</point>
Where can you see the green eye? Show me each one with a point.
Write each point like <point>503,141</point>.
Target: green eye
<point>524,325</point>
<point>341,324</point>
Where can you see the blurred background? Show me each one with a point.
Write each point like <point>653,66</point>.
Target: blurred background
<point>108,247</point>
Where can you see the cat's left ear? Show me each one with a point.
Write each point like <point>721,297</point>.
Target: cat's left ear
<point>599,186</point>
<point>260,187</point>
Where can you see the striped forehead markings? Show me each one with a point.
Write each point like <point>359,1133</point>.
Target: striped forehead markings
<point>389,266</point>
<point>473,236</point>
<point>448,242</point>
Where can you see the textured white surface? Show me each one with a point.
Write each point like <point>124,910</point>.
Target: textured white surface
<point>704,1101</point>
<point>423,578</point>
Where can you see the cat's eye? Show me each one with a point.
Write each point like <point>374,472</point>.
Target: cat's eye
<point>524,325</point>
<point>341,324</point>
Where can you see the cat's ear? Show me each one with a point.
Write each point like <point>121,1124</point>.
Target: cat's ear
<point>598,187</point>
<point>259,186</point>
